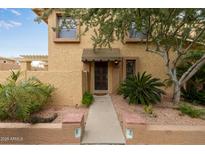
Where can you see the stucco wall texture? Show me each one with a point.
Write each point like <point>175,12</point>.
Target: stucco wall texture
<point>66,57</point>
<point>23,133</point>
<point>169,134</point>
<point>68,85</point>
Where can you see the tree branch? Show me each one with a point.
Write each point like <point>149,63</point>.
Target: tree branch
<point>154,51</point>
<point>195,39</point>
<point>192,70</point>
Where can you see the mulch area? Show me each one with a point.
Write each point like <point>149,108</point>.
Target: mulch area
<point>164,112</point>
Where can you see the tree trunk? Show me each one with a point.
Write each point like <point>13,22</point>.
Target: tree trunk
<point>177,92</point>
<point>185,77</point>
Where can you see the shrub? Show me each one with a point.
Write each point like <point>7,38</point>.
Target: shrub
<point>193,95</point>
<point>18,100</point>
<point>191,111</point>
<point>87,99</point>
<point>141,89</point>
<point>194,90</point>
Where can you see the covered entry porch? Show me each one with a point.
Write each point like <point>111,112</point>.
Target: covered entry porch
<point>102,70</point>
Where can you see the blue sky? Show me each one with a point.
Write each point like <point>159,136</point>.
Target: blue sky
<point>19,34</point>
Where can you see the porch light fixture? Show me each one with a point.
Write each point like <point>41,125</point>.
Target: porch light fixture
<point>116,62</point>
<point>129,133</point>
<point>77,132</point>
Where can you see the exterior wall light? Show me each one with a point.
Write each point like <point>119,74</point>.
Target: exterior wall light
<point>77,132</point>
<point>129,133</point>
<point>116,62</point>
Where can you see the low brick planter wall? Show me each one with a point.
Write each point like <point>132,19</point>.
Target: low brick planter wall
<point>70,131</point>
<point>136,131</point>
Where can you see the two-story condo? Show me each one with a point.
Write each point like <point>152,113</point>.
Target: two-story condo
<point>74,67</point>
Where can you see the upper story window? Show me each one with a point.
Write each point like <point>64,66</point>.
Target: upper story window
<point>68,29</point>
<point>135,34</point>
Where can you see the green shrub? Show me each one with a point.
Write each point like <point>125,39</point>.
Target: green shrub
<point>191,111</point>
<point>18,100</point>
<point>87,99</point>
<point>192,94</point>
<point>194,90</point>
<point>141,89</point>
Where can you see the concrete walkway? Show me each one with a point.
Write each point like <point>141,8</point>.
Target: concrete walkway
<point>102,126</point>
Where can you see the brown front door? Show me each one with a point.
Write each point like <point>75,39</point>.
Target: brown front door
<point>101,73</point>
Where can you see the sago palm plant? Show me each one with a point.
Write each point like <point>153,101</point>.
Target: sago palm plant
<point>142,89</point>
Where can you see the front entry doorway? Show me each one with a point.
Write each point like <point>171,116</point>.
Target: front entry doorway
<point>101,77</point>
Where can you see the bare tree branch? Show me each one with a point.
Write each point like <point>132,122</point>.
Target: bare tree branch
<point>154,51</point>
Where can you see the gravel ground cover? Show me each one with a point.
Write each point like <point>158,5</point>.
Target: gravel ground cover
<point>165,114</point>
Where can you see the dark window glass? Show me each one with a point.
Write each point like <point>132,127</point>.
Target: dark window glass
<point>69,32</point>
<point>130,67</point>
<point>134,33</point>
<point>4,61</point>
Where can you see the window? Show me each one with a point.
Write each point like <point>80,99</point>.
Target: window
<point>130,67</point>
<point>135,34</point>
<point>68,28</point>
<point>4,61</point>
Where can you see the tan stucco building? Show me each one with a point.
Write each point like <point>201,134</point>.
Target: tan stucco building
<point>8,64</point>
<point>73,66</point>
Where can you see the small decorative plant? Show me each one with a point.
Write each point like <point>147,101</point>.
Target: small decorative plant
<point>148,109</point>
<point>19,99</point>
<point>142,89</point>
<point>192,111</point>
<point>87,99</point>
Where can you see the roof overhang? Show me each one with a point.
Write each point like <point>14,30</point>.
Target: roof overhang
<point>101,54</point>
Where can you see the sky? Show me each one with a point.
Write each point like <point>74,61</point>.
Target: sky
<point>20,34</point>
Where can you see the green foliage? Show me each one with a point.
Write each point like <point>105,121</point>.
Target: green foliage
<point>141,89</point>
<point>148,109</point>
<point>87,99</point>
<point>194,90</point>
<point>14,76</point>
<point>164,26</point>
<point>18,100</point>
<point>191,111</point>
<point>193,95</point>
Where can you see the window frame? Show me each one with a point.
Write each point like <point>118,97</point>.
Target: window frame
<point>65,40</point>
<point>125,59</point>
<point>134,69</point>
<point>128,39</point>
